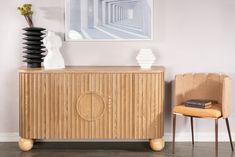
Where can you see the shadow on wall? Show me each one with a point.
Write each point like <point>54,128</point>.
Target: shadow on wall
<point>52,13</point>
<point>168,107</point>
<point>168,103</point>
<point>55,14</point>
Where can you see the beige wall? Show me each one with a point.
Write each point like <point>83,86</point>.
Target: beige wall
<point>189,36</point>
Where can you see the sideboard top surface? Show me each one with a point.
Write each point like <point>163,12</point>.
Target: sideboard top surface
<point>109,69</point>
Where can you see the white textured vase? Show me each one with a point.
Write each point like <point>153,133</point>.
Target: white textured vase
<point>145,58</point>
<point>54,59</point>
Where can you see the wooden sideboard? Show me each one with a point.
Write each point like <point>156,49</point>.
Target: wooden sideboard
<point>121,103</point>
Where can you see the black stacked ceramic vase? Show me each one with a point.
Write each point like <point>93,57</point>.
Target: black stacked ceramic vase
<point>34,49</point>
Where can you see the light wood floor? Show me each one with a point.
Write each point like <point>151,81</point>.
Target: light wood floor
<point>113,149</point>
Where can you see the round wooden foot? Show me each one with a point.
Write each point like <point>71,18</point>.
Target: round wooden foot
<point>25,144</point>
<point>157,144</point>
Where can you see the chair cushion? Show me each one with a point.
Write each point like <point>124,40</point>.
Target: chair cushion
<point>215,111</point>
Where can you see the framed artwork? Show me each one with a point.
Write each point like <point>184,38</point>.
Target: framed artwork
<point>108,20</point>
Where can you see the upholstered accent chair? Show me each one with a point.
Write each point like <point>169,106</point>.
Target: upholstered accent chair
<point>202,86</point>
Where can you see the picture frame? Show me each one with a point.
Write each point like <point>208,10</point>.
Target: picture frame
<point>109,20</point>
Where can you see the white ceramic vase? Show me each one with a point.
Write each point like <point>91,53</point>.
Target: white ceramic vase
<point>145,58</point>
<point>54,59</point>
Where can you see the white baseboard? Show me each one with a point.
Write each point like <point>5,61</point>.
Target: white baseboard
<point>180,137</point>
<point>9,137</point>
<point>199,137</point>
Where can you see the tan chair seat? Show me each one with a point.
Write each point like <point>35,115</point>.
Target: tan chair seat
<point>215,111</point>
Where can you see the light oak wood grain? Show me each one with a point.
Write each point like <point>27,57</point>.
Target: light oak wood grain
<point>94,69</point>
<point>92,103</point>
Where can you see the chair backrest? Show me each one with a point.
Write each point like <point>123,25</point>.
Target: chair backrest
<point>202,86</point>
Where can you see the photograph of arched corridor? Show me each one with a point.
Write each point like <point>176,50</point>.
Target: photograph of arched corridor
<point>109,19</point>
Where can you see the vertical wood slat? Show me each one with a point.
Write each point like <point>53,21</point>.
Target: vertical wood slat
<point>21,105</point>
<point>43,106</point>
<point>80,89</point>
<point>106,98</point>
<point>74,125</point>
<point>38,105</point>
<point>114,111</point>
<point>56,106</point>
<point>160,107</point>
<point>110,106</point>
<point>60,104</point>
<point>126,107</point>
<point>153,104</point>
<point>122,113</point>
<point>99,88</point>
<point>52,98</point>
<point>77,89</point>
<point>47,107</point>
<point>144,106</point>
<point>148,104</point>
<point>139,112</point>
<point>30,105</point>
<point>63,107</point>
<point>27,119</point>
<point>157,125</point>
<point>33,105</point>
<point>118,107</point>
<point>133,105</point>
<point>132,133</point>
<point>70,110</point>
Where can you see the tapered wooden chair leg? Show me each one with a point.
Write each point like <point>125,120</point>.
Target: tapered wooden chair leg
<point>216,137</point>
<point>191,118</point>
<point>174,124</point>
<point>229,133</point>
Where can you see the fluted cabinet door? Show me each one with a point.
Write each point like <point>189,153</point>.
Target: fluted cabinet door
<point>112,105</point>
<point>148,105</point>
<point>52,106</point>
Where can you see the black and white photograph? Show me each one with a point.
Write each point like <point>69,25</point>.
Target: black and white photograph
<point>109,19</point>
